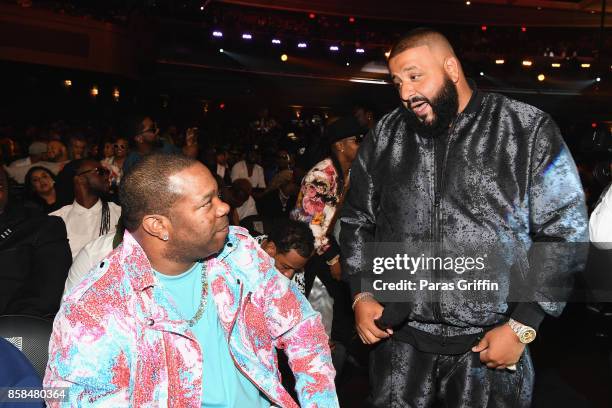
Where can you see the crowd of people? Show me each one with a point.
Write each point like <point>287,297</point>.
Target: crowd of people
<point>164,257</point>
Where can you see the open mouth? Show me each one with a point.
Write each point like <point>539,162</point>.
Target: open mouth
<point>419,108</point>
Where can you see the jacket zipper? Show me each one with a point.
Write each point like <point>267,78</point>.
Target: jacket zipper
<point>439,184</point>
<point>229,347</point>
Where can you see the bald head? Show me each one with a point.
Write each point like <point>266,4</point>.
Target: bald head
<point>436,42</point>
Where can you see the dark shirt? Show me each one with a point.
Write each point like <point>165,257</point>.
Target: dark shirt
<point>35,259</point>
<point>270,205</point>
<point>16,372</point>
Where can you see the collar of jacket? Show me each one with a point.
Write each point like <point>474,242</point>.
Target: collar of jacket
<point>475,101</point>
<point>158,312</point>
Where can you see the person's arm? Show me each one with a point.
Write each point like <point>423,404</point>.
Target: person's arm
<point>51,259</point>
<point>86,360</point>
<point>297,329</point>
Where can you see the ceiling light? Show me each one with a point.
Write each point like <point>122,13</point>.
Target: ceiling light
<point>276,41</point>
<point>302,45</point>
<point>333,48</point>
<point>247,36</point>
<point>481,73</point>
<point>598,79</point>
<point>359,50</point>
<point>586,65</point>
<point>221,50</point>
<point>284,57</point>
<point>499,61</point>
<point>217,34</point>
<point>541,77</point>
<point>527,63</point>
<point>555,65</point>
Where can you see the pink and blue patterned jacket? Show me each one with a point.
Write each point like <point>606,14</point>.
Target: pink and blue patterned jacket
<point>118,342</point>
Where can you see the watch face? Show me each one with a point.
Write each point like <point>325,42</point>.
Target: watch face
<point>528,336</point>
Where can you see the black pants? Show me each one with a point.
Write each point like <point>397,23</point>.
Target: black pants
<point>402,377</point>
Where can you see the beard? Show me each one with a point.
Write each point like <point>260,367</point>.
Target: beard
<point>444,107</point>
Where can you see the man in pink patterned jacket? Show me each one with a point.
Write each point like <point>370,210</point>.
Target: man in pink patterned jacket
<point>188,311</point>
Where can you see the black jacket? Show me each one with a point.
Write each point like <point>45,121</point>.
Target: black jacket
<point>34,262</point>
<point>502,177</point>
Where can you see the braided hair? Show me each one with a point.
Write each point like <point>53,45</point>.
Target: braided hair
<point>105,220</point>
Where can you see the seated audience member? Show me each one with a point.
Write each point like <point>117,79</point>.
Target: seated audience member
<point>222,168</point>
<point>239,198</point>
<point>17,373</point>
<point>600,224</point>
<point>36,154</point>
<point>77,147</point>
<point>89,216</point>
<point>280,199</point>
<point>183,281</point>
<point>40,190</point>
<point>57,153</point>
<point>34,258</point>
<point>290,243</point>
<point>114,163</point>
<point>145,138</point>
<point>249,169</point>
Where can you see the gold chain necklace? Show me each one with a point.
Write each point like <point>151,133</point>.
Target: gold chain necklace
<point>202,307</point>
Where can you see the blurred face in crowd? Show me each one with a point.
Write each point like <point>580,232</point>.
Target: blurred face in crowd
<point>42,183</point>
<point>78,148</point>
<point>94,176</point>
<point>363,117</point>
<point>252,157</point>
<point>150,131</point>
<point>120,148</point>
<point>108,150</point>
<point>56,151</point>
<point>199,223</point>
<point>429,95</point>
<point>3,190</point>
<point>222,158</point>
<point>348,147</point>
<point>284,160</point>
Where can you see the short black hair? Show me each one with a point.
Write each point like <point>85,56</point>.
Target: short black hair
<point>145,188</point>
<point>416,38</point>
<point>290,234</point>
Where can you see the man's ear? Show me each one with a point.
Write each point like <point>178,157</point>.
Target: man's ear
<point>452,68</point>
<point>157,225</point>
<point>270,248</point>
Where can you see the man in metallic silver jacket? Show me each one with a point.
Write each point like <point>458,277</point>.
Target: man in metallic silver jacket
<point>457,168</point>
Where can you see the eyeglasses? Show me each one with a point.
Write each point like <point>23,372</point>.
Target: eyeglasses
<point>118,146</point>
<point>101,171</point>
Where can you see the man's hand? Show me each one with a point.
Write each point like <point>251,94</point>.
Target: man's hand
<point>336,271</point>
<point>499,348</point>
<point>366,311</point>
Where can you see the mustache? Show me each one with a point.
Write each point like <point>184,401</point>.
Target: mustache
<point>416,99</point>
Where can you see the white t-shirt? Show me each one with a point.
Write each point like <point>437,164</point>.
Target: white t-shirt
<point>247,209</point>
<point>88,257</point>
<point>240,171</point>
<point>19,168</point>
<point>83,225</point>
<point>600,224</point>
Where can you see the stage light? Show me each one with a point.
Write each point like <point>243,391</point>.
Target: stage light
<point>348,63</point>
<point>499,61</point>
<point>524,29</point>
<point>333,48</point>
<point>483,28</point>
<point>351,20</point>
<point>67,83</point>
<point>312,15</point>
<point>359,50</point>
<point>467,3</point>
<point>527,63</point>
<point>302,45</point>
<point>598,79</point>
<point>585,65</point>
<point>284,58</point>
<point>555,65</point>
<point>541,77</point>
<point>276,41</point>
<point>221,50</point>
<point>221,105</point>
<point>481,73</point>
<point>247,36</point>
<point>201,8</point>
<point>94,91</point>
<point>217,34</point>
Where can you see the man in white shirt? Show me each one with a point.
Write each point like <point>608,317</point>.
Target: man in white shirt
<point>600,224</point>
<point>36,152</point>
<point>89,216</point>
<point>250,170</point>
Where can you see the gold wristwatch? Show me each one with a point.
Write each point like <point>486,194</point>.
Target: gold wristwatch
<point>525,333</point>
